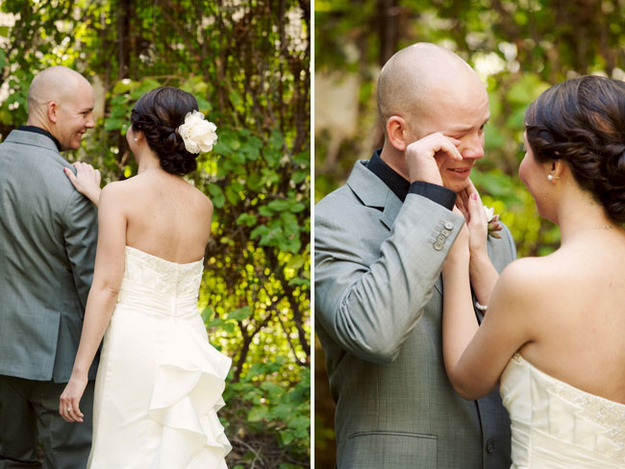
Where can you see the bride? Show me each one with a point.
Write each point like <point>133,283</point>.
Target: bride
<point>554,329</point>
<point>159,382</point>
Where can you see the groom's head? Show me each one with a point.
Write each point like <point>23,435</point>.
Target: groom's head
<point>423,89</point>
<point>61,101</point>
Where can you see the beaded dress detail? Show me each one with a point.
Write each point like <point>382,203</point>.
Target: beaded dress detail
<point>159,383</point>
<point>557,426</point>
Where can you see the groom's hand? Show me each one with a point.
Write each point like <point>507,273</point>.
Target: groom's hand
<point>424,156</point>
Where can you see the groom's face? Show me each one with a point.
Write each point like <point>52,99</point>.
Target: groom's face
<point>75,117</point>
<point>461,116</point>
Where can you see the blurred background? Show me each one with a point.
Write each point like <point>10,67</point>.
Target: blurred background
<point>519,48</point>
<point>247,62</point>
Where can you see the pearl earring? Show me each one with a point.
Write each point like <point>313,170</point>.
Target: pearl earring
<point>136,140</point>
<point>549,176</point>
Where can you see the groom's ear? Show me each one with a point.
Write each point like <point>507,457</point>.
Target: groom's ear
<point>52,111</point>
<point>397,132</point>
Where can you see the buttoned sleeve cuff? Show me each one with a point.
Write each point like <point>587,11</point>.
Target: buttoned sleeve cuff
<point>439,194</point>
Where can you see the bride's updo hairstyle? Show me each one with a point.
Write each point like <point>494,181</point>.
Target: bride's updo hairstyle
<point>582,122</point>
<point>158,114</point>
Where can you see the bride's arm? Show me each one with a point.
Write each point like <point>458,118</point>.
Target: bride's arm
<point>459,321</point>
<point>107,277</point>
<point>86,181</point>
<point>475,356</point>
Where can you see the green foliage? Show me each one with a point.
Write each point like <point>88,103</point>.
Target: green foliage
<point>262,405</point>
<point>247,64</point>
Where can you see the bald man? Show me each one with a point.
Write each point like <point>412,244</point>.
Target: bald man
<point>380,243</point>
<point>47,248</point>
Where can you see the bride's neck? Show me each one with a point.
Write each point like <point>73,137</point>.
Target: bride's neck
<point>583,217</point>
<point>147,161</point>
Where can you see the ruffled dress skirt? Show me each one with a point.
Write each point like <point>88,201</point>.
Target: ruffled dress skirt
<point>159,383</point>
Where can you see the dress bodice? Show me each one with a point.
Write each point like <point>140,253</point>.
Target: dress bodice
<point>557,426</point>
<point>159,285</point>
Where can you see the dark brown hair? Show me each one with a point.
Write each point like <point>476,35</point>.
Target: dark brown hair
<point>158,114</point>
<point>582,122</point>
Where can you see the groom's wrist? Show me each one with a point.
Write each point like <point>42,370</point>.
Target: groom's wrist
<point>439,194</point>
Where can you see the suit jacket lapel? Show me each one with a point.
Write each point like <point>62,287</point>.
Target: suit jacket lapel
<point>372,191</point>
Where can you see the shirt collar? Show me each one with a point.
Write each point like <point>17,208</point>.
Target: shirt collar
<point>392,179</point>
<point>39,130</point>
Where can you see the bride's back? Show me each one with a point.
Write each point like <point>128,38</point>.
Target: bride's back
<point>167,217</point>
<point>579,303</point>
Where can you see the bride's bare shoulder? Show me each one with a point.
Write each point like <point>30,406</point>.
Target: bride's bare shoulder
<point>531,275</point>
<point>114,189</point>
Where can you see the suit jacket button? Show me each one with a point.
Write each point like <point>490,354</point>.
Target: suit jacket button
<point>445,232</point>
<point>449,225</point>
<point>490,446</point>
<point>438,246</point>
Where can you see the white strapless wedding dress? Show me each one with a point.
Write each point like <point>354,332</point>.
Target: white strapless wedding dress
<point>557,426</point>
<point>160,382</point>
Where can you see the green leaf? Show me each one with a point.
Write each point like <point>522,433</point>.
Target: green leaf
<point>286,438</point>
<point>122,86</point>
<point>279,205</point>
<point>113,124</point>
<point>216,195</point>
<point>246,219</point>
<point>233,194</point>
<point>257,414</point>
<point>235,99</point>
<point>273,389</point>
<point>240,314</point>
<point>297,207</point>
<point>525,90</point>
<point>254,182</point>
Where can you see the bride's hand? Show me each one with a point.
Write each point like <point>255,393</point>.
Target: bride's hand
<point>471,207</point>
<point>459,252</point>
<point>86,180</point>
<point>482,273</point>
<point>70,399</point>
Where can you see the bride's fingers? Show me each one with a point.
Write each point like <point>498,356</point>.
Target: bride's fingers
<point>85,169</point>
<point>474,202</point>
<point>65,411</point>
<point>77,415</point>
<point>476,209</point>
<point>71,176</point>
<point>71,413</point>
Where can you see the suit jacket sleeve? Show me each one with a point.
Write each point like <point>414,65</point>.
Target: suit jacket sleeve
<point>81,230</point>
<point>372,282</point>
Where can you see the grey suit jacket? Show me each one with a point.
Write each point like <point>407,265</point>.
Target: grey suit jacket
<point>48,235</point>
<point>378,306</point>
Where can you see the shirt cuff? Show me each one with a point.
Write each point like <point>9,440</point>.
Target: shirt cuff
<point>439,194</point>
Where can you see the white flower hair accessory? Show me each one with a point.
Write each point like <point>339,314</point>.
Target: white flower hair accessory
<point>199,135</point>
<point>493,222</point>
